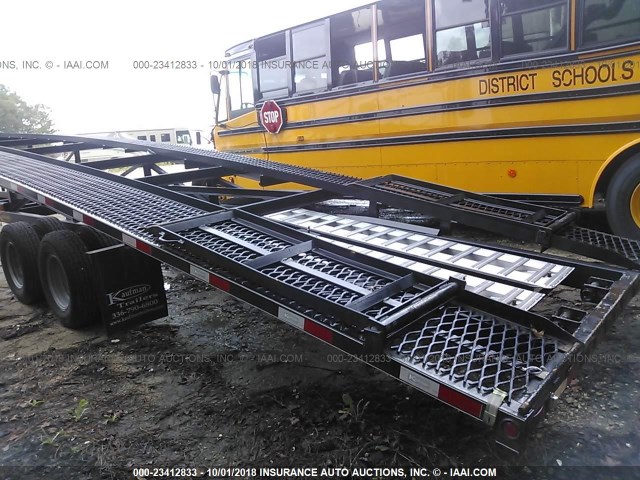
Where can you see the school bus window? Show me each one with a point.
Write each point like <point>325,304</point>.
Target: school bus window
<point>142,137</point>
<point>309,58</point>
<point>402,26</point>
<point>273,65</point>
<point>607,21</point>
<point>309,43</point>
<point>152,138</point>
<point>462,31</point>
<point>364,60</point>
<point>351,47</point>
<point>408,49</point>
<point>533,26</point>
<point>165,137</point>
<point>241,89</point>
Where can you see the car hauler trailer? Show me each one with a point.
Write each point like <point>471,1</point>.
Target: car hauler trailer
<point>461,321</point>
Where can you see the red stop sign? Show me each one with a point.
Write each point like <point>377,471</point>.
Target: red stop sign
<point>271,116</point>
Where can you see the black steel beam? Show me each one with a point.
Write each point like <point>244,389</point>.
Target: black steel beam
<point>234,192</point>
<point>189,175</point>
<point>122,162</point>
<point>67,147</point>
<point>20,142</point>
<point>557,201</point>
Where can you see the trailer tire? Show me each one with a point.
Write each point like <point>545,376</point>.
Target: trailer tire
<point>94,239</point>
<point>47,225</point>
<point>19,253</point>
<point>623,200</point>
<point>67,279</point>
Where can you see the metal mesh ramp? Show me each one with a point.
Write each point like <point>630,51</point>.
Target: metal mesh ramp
<point>307,176</point>
<point>595,242</point>
<point>479,352</point>
<point>129,208</point>
<point>424,192</point>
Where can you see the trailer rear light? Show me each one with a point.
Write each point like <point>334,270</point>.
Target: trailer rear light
<point>510,429</point>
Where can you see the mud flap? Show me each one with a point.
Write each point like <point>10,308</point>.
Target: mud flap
<point>130,288</point>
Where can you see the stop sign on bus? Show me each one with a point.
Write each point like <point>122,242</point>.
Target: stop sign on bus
<point>271,116</point>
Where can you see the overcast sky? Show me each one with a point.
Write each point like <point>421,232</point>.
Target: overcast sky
<point>121,32</point>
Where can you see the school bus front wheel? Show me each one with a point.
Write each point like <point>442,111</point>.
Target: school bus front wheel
<point>623,200</point>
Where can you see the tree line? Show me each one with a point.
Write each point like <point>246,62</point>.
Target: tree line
<point>17,116</point>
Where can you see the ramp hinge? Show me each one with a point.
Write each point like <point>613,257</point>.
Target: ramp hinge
<point>493,405</point>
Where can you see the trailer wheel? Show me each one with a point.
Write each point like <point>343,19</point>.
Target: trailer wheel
<point>94,239</point>
<point>47,225</point>
<point>623,200</point>
<point>67,280</point>
<point>19,252</point>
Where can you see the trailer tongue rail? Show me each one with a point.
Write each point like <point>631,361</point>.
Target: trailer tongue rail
<point>452,320</point>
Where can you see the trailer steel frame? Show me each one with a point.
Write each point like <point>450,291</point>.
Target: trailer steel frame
<point>490,360</point>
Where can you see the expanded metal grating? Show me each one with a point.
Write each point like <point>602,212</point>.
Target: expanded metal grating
<point>219,158</point>
<point>624,246</point>
<point>243,233</point>
<point>224,247</point>
<point>235,160</point>
<point>475,350</point>
<point>314,285</point>
<point>123,206</point>
<point>342,272</point>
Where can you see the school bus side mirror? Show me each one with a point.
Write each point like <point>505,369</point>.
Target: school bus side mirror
<point>215,85</point>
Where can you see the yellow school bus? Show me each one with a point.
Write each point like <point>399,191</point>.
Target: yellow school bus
<point>538,99</point>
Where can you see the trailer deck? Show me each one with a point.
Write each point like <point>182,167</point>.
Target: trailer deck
<point>451,318</point>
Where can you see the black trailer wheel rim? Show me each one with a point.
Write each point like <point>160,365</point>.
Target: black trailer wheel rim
<point>14,265</point>
<point>58,283</point>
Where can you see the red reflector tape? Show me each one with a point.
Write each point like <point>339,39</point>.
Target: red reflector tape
<point>143,247</point>
<point>48,201</point>
<point>88,220</point>
<point>318,331</point>
<point>460,401</point>
<point>220,283</point>
<point>442,392</point>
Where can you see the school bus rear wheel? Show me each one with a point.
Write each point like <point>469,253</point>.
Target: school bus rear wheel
<point>623,200</point>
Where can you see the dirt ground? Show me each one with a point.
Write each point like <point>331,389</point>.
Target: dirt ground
<point>220,384</point>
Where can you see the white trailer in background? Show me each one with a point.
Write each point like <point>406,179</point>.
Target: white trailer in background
<point>179,136</point>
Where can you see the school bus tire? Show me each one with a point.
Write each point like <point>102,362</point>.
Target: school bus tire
<point>67,280</point>
<point>19,253</point>
<point>623,200</point>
